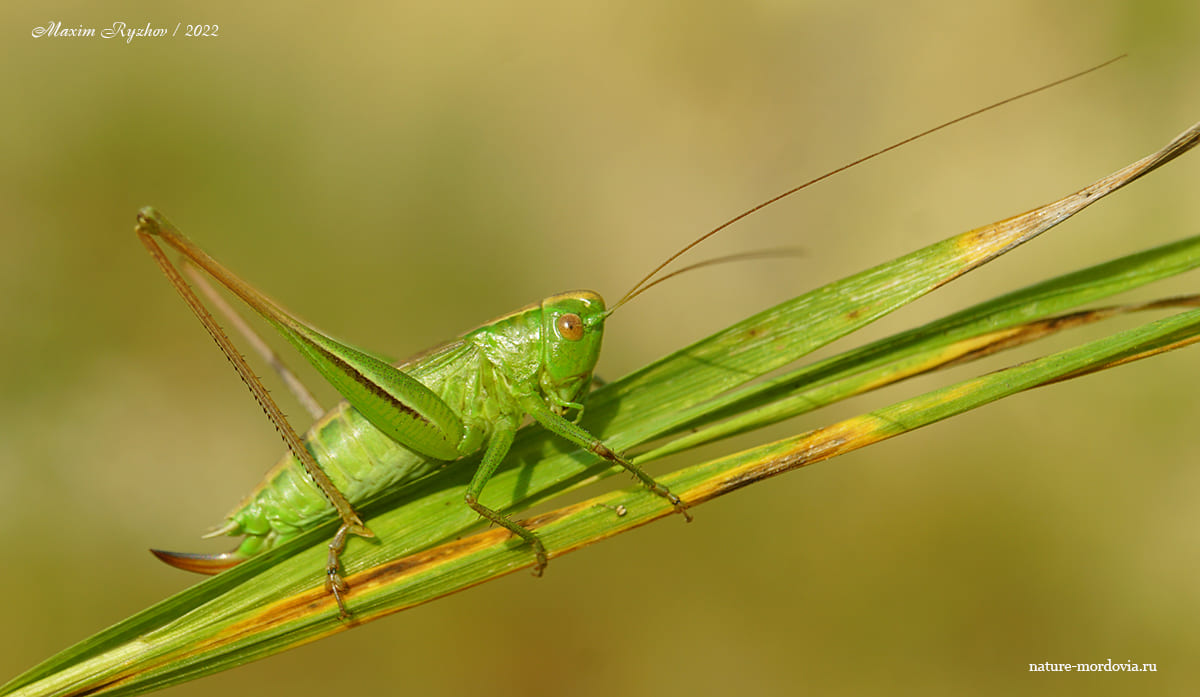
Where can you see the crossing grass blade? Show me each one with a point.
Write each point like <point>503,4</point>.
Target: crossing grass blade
<point>426,548</point>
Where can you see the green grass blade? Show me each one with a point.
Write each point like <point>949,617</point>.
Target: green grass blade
<point>276,601</point>
<point>841,377</point>
<point>193,646</point>
<point>1030,304</point>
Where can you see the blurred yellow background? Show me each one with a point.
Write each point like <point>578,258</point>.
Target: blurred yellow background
<point>398,175</point>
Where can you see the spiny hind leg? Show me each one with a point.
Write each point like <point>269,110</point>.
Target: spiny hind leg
<point>152,227</point>
<point>335,584</point>
<point>290,379</point>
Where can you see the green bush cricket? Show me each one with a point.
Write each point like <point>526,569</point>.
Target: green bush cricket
<point>401,422</point>
<point>468,394</point>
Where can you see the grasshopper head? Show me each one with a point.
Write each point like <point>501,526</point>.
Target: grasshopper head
<point>572,327</point>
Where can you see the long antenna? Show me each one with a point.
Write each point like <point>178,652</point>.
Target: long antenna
<point>774,253</point>
<point>637,288</point>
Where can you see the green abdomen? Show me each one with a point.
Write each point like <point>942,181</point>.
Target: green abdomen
<point>361,461</point>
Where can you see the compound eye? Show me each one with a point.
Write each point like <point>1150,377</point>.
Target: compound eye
<point>569,326</point>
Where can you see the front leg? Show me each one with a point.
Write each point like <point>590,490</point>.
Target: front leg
<point>578,435</point>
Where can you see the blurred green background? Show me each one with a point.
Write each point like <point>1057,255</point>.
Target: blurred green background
<point>400,174</point>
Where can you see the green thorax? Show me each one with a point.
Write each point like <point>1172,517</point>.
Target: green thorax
<point>551,347</point>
